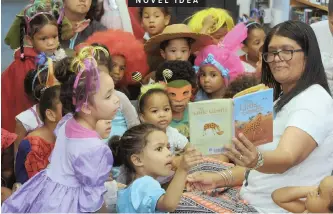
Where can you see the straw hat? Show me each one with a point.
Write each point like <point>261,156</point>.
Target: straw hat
<point>176,31</point>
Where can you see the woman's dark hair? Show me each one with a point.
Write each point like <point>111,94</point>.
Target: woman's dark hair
<point>181,70</point>
<point>35,25</point>
<point>132,142</point>
<point>143,98</point>
<point>64,74</point>
<point>241,83</point>
<point>314,72</point>
<point>167,11</point>
<point>165,43</point>
<point>49,99</point>
<point>96,11</point>
<point>251,25</point>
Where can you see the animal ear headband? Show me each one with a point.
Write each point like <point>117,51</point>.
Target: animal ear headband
<point>38,7</point>
<point>85,67</point>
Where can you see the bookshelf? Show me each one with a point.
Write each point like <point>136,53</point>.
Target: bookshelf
<point>308,3</point>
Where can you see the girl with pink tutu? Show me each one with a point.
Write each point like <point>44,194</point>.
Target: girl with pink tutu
<point>80,162</point>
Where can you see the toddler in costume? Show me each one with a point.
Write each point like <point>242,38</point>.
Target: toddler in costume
<point>218,65</point>
<point>144,152</point>
<point>212,21</point>
<point>39,20</point>
<point>155,108</point>
<point>180,78</point>
<point>176,42</point>
<point>35,149</point>
<point>30,119</point>
<point>128,56</point>
<point>80,162</point>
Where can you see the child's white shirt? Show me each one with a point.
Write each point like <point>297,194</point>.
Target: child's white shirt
<point>176,139</point>
<point>29,119</point>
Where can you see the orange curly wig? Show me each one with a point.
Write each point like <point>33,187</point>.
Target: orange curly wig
<point>125,44</point>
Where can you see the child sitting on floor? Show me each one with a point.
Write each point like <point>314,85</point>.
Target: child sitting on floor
<point>318,199</point>
<point>34,151</point>
<point>180,82</point>
<point>144,152</point>
<point>155,108</point>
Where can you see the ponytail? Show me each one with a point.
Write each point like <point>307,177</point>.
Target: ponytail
<point>132,142</point>
<point>22,34</point>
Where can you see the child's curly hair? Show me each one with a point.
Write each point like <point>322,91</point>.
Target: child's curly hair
<point>241,83</point>
<point>181,70</point>
<point>125,44</point>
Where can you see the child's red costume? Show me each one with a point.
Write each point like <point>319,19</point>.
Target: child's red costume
<point>13,98</point>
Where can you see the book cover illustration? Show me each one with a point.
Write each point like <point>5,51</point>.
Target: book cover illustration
<point>210,125</point>
<point>253,116</point>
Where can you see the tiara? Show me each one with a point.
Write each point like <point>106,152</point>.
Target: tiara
<point>39,7</point>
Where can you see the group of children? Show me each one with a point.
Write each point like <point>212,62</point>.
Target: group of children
<point>67,103</point>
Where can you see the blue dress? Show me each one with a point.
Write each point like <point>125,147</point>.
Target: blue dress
<point>140,197</point>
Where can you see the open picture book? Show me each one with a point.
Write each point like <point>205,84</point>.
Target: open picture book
<point>213,123</point>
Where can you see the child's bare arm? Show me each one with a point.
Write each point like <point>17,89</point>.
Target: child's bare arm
<point>21,133</point>
<point>289,198</point>
<point>170,200</point>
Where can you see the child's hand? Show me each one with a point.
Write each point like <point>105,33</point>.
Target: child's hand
<point>190,158</point>
<point>208,22</point>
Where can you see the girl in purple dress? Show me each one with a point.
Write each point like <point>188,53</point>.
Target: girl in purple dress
<point>80,162</point>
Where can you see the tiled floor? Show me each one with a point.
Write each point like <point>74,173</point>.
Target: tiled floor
<point>9,8</point>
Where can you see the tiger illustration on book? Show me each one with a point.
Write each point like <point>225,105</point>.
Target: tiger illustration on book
<point>214,127</point>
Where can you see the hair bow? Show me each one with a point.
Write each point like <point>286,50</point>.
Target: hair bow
<point>211,61</point>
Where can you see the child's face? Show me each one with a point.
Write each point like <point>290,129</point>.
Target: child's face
<point>157,111</point>
<point>118,69</point>
<point>319,200</point>
<point>154,20</point>
<point>77,6</point>
<point>211,79</point>
<point>254,42</point>
<point>103,128</point>
<point>46,39</point>
<point>220,34</point>
<point>179,97</point>
<point>156,158</point>
<point>177,49</point>
<point>106,103</point>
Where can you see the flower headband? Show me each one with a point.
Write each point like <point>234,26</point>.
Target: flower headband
<point>86,68</point>
<point>47,63</point>
<point>210,60</point>
<point>43,7</point>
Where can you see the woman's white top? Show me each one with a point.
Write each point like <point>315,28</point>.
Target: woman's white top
<point>312,112</point>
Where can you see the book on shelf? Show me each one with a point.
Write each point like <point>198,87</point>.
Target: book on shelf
<point>213,123</point>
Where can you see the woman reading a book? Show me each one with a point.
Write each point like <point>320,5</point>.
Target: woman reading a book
<point>301,152</point>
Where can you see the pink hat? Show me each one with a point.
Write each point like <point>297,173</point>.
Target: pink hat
<point>224,55</point>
